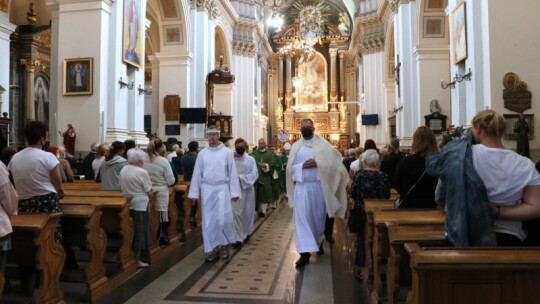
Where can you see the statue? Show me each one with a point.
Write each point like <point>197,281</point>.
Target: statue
<point>434,106</point>
<point>30,15</point>
<point>343,111</point>
<point>279,111</point>
<point>69,139</point>
<point>522,129</point>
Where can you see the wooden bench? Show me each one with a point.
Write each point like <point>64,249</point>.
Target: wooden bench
<point>33,244</point>
<point>474,275</point>
<point>398,262</point>
<point>114,219</point>
<point>380,238</point>
<point>371,205</point>
<point>92,193</point>
<point>83,222</point>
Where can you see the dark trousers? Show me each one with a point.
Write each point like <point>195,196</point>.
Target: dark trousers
<point>328,226</point>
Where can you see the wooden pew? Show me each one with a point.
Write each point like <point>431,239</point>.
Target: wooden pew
<point>92,193</point>
<point>474,275</point>
<point>33,244</point>
<point>380,238</point>
<point>83,222</point>
<point>114,219</point>
<point>371,205</point>
<point>398,262</point>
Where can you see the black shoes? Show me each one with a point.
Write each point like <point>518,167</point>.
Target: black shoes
<point>329,239</point>
<point>236,245</point>
<point>260,214</point>
<point>303,260</point>
<point>321,249</point>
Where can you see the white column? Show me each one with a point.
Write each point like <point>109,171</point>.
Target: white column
<point>153,107</point>
<point>6,29</point>
<point>405,40</point>
<point>373,95</point>
<point>244,93</point>
<point>178,65</point>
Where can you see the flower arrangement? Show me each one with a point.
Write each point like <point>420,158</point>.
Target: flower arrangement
<point>455,132</point>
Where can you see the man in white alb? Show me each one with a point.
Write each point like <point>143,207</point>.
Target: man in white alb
<point>244,209</point>
<point>316,182</point>
<point>215,180</point>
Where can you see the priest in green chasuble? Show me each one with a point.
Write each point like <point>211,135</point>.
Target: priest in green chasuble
<point>266,164</point>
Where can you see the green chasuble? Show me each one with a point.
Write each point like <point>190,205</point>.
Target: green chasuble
<point>264,190</point>
<point>284,159</point>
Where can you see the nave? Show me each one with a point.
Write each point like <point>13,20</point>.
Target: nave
<point>261,271</point>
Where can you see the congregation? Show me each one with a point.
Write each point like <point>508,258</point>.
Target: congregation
<point>490,194</point>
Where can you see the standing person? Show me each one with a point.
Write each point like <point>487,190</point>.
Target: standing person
<point>244,208</point>
<point>188,164</point>
<point>129,144</point>
<point>276,172</point>
<point>110,169</point>
<point>522,129</point>
<point>69,139</point>
<point>316,185</point>
<point>391,160</point>
<point>490,189</point>
<point>162,178</point>
<point>368,183</point>
<point>102,151</point>
<point>416,188</point>
<point>266,162</point>
<point>135,184</point>
<point>175,148</point>
<point>8,207</point>
<point>88,160</point>
<point>215,180</point>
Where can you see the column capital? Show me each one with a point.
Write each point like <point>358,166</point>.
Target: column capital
<point>30,64</point>
<point>333,52</point>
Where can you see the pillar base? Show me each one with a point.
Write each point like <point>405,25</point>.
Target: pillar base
<point>114,134</point>
<point>140,138</point>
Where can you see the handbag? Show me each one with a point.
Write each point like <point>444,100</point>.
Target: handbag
<point>400,200</point>
<point>356,220</point>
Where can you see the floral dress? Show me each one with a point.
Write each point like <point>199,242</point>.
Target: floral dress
<point>367,184</point>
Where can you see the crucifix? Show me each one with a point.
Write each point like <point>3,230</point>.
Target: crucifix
<point>397,69</point>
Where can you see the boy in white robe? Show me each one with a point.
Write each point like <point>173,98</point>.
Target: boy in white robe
<point>215,180</point>
<point>244,209</point>
<point>316,182</point>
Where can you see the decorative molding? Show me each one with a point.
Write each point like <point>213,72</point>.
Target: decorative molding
<point>44,37</point>
<point>372,44</point>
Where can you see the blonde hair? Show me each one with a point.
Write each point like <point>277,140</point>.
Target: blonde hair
<point>424,142</point>
<point>152,148</point>
<point>102,150</point>
<point>491,123</point>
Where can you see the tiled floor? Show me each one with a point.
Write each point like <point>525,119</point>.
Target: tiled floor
<point>262,271</point>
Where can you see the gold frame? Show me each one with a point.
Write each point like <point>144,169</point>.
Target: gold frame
<point>459,7</point>
<point>87,68</point>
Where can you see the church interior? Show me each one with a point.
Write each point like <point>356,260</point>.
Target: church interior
<point>360,69</point>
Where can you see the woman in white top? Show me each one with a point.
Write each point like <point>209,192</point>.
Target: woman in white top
<point>512,183</point>
<point>8,208</point>
<point>162,177</point>
<point>102,150</point>
<point>135,183</point>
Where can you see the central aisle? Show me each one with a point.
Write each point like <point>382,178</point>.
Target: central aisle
<point>261,271</point>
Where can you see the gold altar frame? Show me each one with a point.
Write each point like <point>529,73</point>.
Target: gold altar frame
<point>323,107</point>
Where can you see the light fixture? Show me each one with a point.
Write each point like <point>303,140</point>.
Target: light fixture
<point>144,91</point>
<point>276,20</point>
<point>460,78</point>
<point>445,85</point>
<point>126,85</point>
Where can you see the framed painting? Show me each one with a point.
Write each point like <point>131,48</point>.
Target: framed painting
<point>312,95</point>
<point>41,97</point>
<point>434,27</point>
<point>173,35</point>
<point>458,33</point>
<point>78,76</point>
<point>132,41</point>
<point>512,119</point>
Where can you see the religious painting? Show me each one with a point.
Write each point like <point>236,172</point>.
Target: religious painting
<point>512,119</point>
<point>434,5</point>
<point>312,94</point>
<point>78,75</point>
<point>169,10</point>
<point>41,98</point>
<point>458,33</point>
<point>4,6</point>
<point>132,45</point>
<point>434,27</point>
<point>171,106</point>
<point>173,34</point>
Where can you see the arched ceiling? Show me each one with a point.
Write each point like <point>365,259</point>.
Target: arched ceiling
<point>336,7</point>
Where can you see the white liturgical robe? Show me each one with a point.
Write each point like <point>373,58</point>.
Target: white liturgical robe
<point>244,208</point>
<point>216,181</point>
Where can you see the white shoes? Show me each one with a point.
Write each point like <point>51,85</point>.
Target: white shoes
<point>142,264</point>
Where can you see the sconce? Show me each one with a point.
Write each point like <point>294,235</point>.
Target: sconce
<point>460,78</point>
<point>123,84</point>
<point>144,91</point>
<point>445,85</point>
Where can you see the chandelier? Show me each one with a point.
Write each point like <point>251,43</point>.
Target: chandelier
<point>298,51</point>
